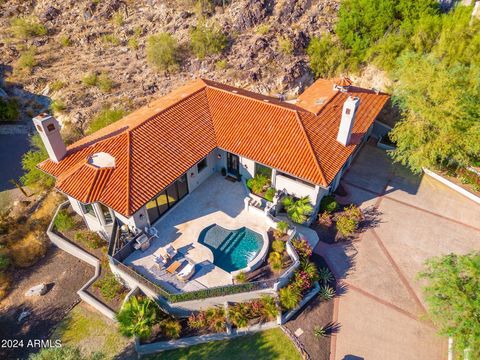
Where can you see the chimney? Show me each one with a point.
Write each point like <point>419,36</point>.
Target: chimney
<point>49,130</point>
<point>348,117</point>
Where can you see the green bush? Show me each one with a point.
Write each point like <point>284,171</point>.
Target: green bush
<point>137,317</point>
<point>5,262</point>
<point>298,210</point>
<point>26,60</point>
<point>207,40</point>
<point>118,19</point>
<point>33,177</point>
<point>110,39</point>
<point>64,40</point>
<point>221,64</point>
<point>90,79</point>
<point>328,204</point>
<point>326,292</point>
<point>109,287</point>
<point>258,183</point>
<point>346,225</point>
<point>241,278</point>
<point>289,297</point>
<point>9,110</point>
<point>162,51</point>
<point>285,45</point>
<point>105,117</point>
<point>282,226</point>
<point>328,57</point>
<point>57,106</point>
<point>89,239</point>
<point>26,27</point>
<point>57,85</point>
<point>269,194</point>
<point>278,246</point>
<point>275,260</point>
<point>171,328</point>
<point>262,29</point>
<point>64,221</point>
<point>104,83</point>
<point>133,43</point>
<point>212,319</point>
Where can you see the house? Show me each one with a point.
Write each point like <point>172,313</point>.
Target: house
<point>136,169</point>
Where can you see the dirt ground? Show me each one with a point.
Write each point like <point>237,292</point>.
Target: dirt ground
<point>64,275</point>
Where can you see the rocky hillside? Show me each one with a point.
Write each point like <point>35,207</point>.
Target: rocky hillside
<point>265,52</point>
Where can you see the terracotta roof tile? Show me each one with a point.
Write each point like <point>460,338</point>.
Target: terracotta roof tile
<point>159,142</point>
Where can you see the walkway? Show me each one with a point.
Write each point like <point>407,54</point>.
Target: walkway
<point>381,310</point>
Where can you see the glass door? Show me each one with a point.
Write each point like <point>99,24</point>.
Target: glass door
<point>232,164</point>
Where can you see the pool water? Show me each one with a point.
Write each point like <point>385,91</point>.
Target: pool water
<point>232,249</point>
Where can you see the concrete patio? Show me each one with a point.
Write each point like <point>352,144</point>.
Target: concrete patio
<point>216,201</point>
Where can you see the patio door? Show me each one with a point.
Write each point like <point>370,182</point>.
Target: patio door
<point>232,164</point>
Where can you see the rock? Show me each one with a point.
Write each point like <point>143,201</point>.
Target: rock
<point>37,290</point>
<point>3,94</point>
<point>23,315</point>
<point>51,13</point>
<point>254,12</point>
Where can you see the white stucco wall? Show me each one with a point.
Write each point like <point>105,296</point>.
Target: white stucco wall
<point>296,188</point>
<point>138,220</point>
<point>194,178</point>
<point>247,167</point>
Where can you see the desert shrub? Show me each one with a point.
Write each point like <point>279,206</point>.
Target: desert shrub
<point>133,43</point>
<point>26,60</point>
<point>137,317</point>
<point>33,177</point>
<point>5,283</point>
<point>29,248</point>
<point>278,246</point>
<point>5,262</point>
<point>269,194</point>
<point>162,51</point>
<point>171,328</point>
<point>89,239</point>
<point>9,110</point>
<point>328,204</point>
<point>275,260</point>
<point>289,297</point>
<point>262,29</point>
<point>298,210</point>
<point>90,79</point>
<point>57,85</point>
<point>207,39</point>
<point>64,40</point>
<point>117,19</point>
<point>105,117</point>
<point>353,212</point>
<point>327,57</point>
<point>221,64</point>
<point>104,83</point>
<point>26,27</point>
<point>110,39</point>
<point>303,248</point>
<point>319,331</point>
<point>57,106</point>
<point>64,221</point>
<point>285,45</point>
<point>241,277</point>
<point>109,287</point>
<point>326,292</point>
<point>346,225</point>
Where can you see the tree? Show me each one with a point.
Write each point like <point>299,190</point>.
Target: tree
<point>207,39</point>
<point>298,210</point>
<point>162,51</point>
<point>441,112</point>
<point>137,317</point>
<point>33,177</point>
<point>327,56</point>
<point>452,294</point>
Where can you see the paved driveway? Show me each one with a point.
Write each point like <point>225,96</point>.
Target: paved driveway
<point>380,311</point>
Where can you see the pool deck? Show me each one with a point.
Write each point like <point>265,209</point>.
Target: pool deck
<point>216,201</point>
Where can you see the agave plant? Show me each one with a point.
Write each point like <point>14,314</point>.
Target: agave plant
<point>137,317</point>
<point>298,210</point>
<point>326,292</point>
<point>324,275</point>
<point>319,331</point>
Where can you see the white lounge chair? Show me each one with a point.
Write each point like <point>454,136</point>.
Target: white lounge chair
<point>187,272</point>
<point>170,251</point>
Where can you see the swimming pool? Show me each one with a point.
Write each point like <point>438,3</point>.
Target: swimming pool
<point>232,249</point>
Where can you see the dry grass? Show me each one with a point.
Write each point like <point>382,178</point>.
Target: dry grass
<point>5,282</point>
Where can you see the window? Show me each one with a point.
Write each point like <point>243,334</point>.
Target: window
<point>50,127</point>
<point>347,111</point>
<point>106,214</point>
<point>88,209</point>
<point>295,179</point>
<point>263,170</point>
<point>202,165</point>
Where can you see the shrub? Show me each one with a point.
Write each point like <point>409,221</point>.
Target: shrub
<point>353,212</point>
<point>269,308</point>
<point>319,332</point>
<point>278,246</point>
<point>212,319</point>
<point>133,43</point>
<point>282,226</point>
<point>5,283</point>
<point>27,60</point>
<point>137,317</point>
<point>301,281</point>
<point>105,117</point>
<point>57,106</point>
<point>171,328</point>
<point>262,29</point>
<point>104,83</point>
<point>221,64</point>
<point>26,27</point>
<point>64,221</point>
<point>276,261</point>
<point>297,210</point>
<point>289,297</point>
<point>328,204</point>
<point>109,287</point>
<point>310,269</point>
<point>238,315</point>
<point>324,275</point>
<point>207,40</point>
<point>326,292</point>
<point>9,110</point>
<point>30,248</point>
<point>5,262</point>
<point>64,353</point>
<point>117,19</point>
<point>162,51</point>
<point>346,225</point>
<point>269,194</point>
<point>90,79</point>
<point>258,183</point>
<point>285,45</point>
<point>64,40</point>
<point>303,248</point>
<point>241,277</point>
<point>33,177</point>
<point>327,57</point>
<point>325,219</point>
<point>57,85</point>
<point>110,39</point>
<point>89,239</point>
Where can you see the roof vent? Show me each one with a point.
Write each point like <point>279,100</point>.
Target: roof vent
<point>320,101</point>
<point>235,91</point>
<point>266,100</point>
<point>342,84</point>
<point>102,160</point>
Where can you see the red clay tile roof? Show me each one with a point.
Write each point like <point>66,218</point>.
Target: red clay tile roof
<point>159,142</point>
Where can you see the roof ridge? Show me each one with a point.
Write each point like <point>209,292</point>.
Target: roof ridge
<point>128,172</point>
<point>310,148</point>
<point>253,98</point>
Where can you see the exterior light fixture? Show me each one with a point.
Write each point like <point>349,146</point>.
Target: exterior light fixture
<point>219,156</point>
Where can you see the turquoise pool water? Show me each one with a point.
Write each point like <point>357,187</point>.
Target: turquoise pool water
<point>232,250</point>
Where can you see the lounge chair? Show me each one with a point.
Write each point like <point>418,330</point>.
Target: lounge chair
<point>187,272</point>
<point>169,251</point>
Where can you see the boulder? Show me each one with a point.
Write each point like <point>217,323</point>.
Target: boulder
<point>23,315</point>
<point>37,290</point>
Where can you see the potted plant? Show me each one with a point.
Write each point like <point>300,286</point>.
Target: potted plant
<point>223,171</point>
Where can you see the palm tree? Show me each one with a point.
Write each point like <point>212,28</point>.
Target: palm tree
<point>137,317</point>
<point>289,297</point>
<point>298,210</point>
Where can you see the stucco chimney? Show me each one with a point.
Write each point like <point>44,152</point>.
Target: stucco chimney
<point>49,130</point>
<point>348,118</point>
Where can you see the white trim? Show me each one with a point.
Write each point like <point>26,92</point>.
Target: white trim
<point>452,186</point>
